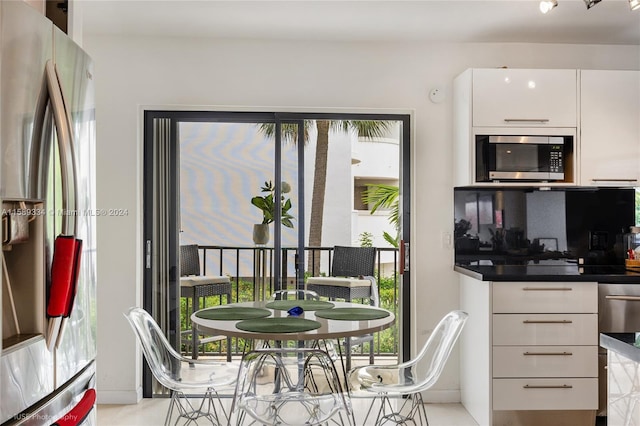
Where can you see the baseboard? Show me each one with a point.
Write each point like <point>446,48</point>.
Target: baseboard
<point>441,396</point>
<point>119,397</point>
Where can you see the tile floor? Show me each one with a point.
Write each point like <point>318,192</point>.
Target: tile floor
<point>151,412</point>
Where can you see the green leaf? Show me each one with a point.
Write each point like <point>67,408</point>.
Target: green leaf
<point>391,240</point>
<point>384,196</point>
<point>286,222</point>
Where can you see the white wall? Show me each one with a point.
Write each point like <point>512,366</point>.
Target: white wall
<point>133,72</point>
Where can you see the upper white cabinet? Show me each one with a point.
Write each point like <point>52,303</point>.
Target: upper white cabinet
<point>513,102</point>
<point>609,128</point>
<point>524,98</point>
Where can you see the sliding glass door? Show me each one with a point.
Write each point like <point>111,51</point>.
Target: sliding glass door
<point>266,196</point>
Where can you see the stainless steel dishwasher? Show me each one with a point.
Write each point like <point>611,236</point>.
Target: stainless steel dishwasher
<point>618,312</point>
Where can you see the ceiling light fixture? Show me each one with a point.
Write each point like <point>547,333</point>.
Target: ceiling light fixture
<point>547,5</point>
<point>591,3</point>
<point>634,4</point>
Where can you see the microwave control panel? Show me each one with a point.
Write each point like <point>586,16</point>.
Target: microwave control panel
<point>556,164</point>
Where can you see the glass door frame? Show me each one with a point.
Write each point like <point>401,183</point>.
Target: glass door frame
<point>278,118</point>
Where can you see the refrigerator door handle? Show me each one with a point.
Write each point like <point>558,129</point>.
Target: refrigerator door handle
<point>65,146</point>
<point>66,255</point>
<point>51,94</point>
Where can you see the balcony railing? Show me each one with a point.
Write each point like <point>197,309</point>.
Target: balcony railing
<point>250,270</point>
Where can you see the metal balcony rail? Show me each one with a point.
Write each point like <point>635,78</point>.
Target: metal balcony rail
<point>250,270</point>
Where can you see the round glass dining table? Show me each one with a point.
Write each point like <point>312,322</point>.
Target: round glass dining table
<point>353,319</point>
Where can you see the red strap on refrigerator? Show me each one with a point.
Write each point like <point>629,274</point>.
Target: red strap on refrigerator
<point>80,411</point>
<point>74,277</point>
<point>62,275</point>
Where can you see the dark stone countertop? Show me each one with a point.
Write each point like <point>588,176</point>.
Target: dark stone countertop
<point>621,343</point>
<point>551,271</point>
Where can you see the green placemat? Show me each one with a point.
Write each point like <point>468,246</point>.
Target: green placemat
<point>352,314</point>
<point>233,313</point>
<point>307,305</point>
<point>278,325</point>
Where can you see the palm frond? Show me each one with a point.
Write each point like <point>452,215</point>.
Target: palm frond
<point>368,129</point>
<point>384,196</point>
<point>393,241</point>
<point>380,196</point>
<point>289,131</point>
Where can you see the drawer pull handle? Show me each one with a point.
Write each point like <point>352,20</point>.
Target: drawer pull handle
<point>621,297</point>
<point>548,387</point>
<point>614,180</point>
<point>548,353</point>
<point>527,120</point>
<point>547,289</point>
<point>547,322</point>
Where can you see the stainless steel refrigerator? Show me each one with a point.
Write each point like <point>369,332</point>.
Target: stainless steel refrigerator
<point>47,191</point>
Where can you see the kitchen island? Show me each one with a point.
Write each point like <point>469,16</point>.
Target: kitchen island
<point>532,340</point>
<point>623,377</point>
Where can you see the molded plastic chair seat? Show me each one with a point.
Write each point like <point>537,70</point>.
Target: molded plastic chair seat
<point>298,386</point>
<point>406,379</point>
<point>180,374</point>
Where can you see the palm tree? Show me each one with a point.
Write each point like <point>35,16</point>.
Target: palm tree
<point>367,129</point>
<point>385,196</point>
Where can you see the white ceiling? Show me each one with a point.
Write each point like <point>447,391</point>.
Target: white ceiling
<point>608,22</point>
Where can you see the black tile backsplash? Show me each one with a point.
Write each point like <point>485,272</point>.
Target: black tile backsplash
<point>515,225</point>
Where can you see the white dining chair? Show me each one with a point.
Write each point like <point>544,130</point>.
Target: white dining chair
<point>181,375</point>
<point>290,386</point>
<point>406,381</point>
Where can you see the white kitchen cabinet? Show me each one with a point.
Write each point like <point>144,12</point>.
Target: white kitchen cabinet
<point>524,98</point>
<point>533,346</point>
<point>516,102</point>
<point>609,128</point>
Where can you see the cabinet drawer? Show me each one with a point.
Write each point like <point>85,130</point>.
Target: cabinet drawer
<point>545,361</point>
<point>545,329</point>
<point>525,97</point>
<point>545,394</point>
<point>545,297</point>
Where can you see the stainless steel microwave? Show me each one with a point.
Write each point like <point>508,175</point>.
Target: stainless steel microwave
<point>532,158</point>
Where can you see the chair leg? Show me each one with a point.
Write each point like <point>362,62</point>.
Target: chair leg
<point>416,414</point>
<point>188,413</point>
<point>373,402</point>
<point>170,409</point>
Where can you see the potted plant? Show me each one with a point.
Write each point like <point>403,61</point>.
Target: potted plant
<point>267,204</point>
